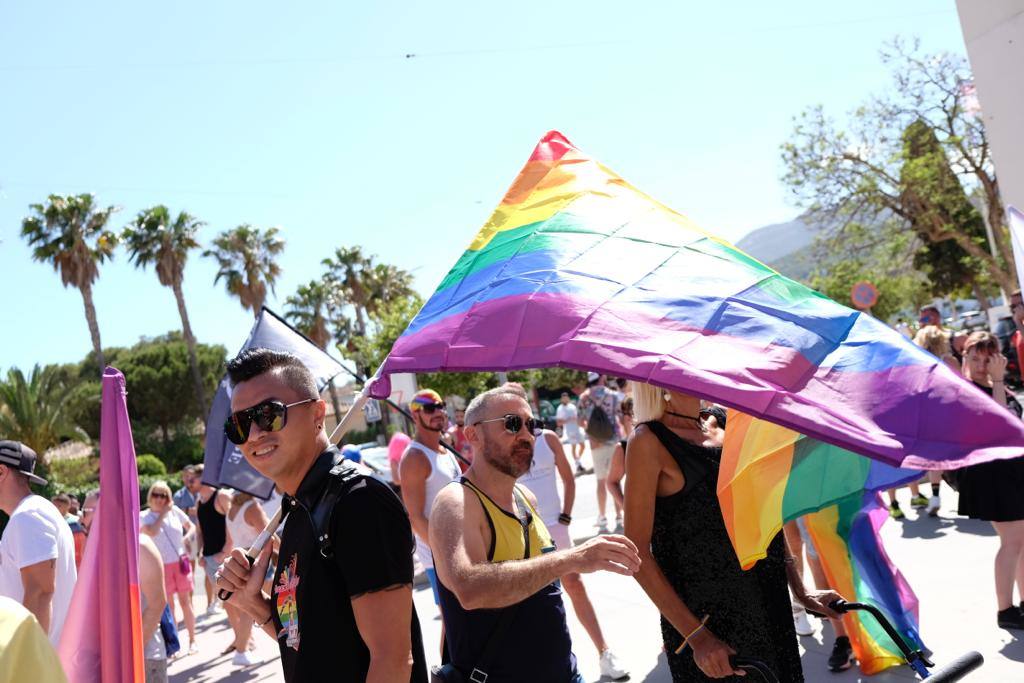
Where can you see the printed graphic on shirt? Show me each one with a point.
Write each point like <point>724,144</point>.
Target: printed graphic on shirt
<point>287,607</point>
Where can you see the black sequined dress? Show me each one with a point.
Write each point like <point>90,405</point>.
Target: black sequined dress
<point>750,610</point>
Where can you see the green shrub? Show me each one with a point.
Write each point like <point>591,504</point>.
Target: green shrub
<point>74,476</point>
<point>148,463</point>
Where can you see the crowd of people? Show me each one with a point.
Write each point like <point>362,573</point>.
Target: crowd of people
<point>483,498</point>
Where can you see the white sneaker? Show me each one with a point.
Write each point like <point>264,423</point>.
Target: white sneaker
<point>934,503</point>
<point>601,523</point>
<point>611,667</point>
<point>213,608</point>
<point>246,659</point>
<point>802,623</point>
<point>618,521</point>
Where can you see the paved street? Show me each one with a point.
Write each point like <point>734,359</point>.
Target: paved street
<point>947,560</point>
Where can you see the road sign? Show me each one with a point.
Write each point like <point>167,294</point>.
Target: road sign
<point>864,295</point>
<point>371,411</point>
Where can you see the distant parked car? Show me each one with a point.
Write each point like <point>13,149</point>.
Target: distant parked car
<point>971,321</point>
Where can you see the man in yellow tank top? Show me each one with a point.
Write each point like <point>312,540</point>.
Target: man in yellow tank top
<point>496,565</point>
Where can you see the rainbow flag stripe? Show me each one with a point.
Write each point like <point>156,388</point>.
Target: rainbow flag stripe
<point>856,564</point>
<point>578,268</point>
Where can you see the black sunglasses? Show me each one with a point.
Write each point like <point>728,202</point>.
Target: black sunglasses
<point>270,416</point>
<point>513,423</point>
<point>431,408</point>
<point>159,495</point>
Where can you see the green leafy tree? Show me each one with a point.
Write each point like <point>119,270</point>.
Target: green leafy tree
<point>156,239</point>
<point>348,279</point>
<point>34,409</point>
<point>855,175</point>
<point>247,262</point>
<point>70,233</point>
<point>159,383</point>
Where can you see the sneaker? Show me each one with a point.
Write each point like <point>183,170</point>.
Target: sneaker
<point>1011,617</point>
<point>802,623</point>
<point>618,521</point>
<point>918,501</point>
<point>246,659</point>
<point>213,608</point>
<point>933,506</point>
<point>895,512</point>
<point>841,658</point>
<point>193,647</point>
<point>611,667</point>
<point>602,522</point>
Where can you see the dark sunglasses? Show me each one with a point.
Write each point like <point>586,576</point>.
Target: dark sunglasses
<point>431,408</point>
<point>513,423</point>
<point>270,416</point>
<point>159,495</point>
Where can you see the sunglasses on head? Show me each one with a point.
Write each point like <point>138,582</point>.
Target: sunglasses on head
<point>270,416</point>
<point>431,408</point>
<point>513,423</point>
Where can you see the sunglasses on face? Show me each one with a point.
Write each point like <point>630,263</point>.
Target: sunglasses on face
<point>513,423</point>
<point>159,495</point>
<point>270,416</point>
<point>431,408</point>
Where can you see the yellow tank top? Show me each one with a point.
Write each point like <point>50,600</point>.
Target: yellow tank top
<point>511,537</point>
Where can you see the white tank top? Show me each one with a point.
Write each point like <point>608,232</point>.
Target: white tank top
<point>542,480</point>
<point>242,535</point>
<point>443,470</point>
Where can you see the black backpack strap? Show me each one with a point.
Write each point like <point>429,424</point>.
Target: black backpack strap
<point>342,478</point>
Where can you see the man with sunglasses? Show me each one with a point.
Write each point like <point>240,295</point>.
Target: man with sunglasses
<point>347,616</point>
<point>425,469</point>
<point>497,568</point>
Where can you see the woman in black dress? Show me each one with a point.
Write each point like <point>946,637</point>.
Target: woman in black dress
<point>994,491</point>
<point>689,567</point>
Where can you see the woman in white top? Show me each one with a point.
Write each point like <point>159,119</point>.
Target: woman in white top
<point>167,525</point>
<point>244,521</point>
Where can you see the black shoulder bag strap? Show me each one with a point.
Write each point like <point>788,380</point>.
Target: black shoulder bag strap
<point>341,479</point>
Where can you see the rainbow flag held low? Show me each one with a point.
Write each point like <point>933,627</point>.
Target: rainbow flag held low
<point>847,538</point>
<point>578,268</point>
<point>770,475</point>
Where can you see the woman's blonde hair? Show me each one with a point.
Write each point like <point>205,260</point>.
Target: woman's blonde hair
<point>933,339</point>
<point>159,487</point>
<point>648,402</point>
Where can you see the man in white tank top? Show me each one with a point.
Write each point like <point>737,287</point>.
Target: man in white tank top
<point>426,467</point>
<point>549,461</point>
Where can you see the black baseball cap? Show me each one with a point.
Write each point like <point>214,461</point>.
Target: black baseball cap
<point>22,458</point>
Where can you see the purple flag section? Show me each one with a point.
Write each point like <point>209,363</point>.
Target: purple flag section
<point>102,637</point>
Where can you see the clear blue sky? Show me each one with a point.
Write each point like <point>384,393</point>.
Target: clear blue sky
<point>310,117</point>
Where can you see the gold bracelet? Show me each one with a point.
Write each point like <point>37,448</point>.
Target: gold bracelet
<point>694,632</point>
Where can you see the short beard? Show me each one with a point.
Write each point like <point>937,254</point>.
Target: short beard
<point>505,462</point>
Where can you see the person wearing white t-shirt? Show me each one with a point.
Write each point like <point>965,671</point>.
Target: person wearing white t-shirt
<point>37,551</point>
<point>167,525</point>
<point>567,417</point>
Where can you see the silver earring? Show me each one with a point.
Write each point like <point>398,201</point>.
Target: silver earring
<point>667,396</point>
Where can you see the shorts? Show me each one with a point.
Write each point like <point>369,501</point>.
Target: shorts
<point>210,566</point>
<point>602,456</point>
<point>560,535</point>
<point>432,577</point>
<point>572,433</point>
<point>175,581</point>
<point>156,671</point>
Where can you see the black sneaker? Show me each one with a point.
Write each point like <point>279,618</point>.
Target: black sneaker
<point>1011,617</point>
<point>841,658</point>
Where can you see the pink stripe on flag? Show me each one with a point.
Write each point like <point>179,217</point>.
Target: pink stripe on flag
<point>102,637</point>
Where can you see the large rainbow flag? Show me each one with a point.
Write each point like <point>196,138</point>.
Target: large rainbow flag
<point>578,268</point>
<point>102,636</point>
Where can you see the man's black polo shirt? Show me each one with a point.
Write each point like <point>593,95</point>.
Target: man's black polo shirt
<point>311,598</point>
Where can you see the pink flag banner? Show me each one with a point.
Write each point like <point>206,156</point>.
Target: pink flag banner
<point>102,637</point>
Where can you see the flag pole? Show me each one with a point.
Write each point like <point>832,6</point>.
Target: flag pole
<point>257,546</point>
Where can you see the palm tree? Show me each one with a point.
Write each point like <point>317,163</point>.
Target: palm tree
<point>69,231</point>
<point>34,410</point>
<point>154,239</point>
<point>347,273</point>
<point>246,259</point>
<point>307,311</point>
<point>387,283</point>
